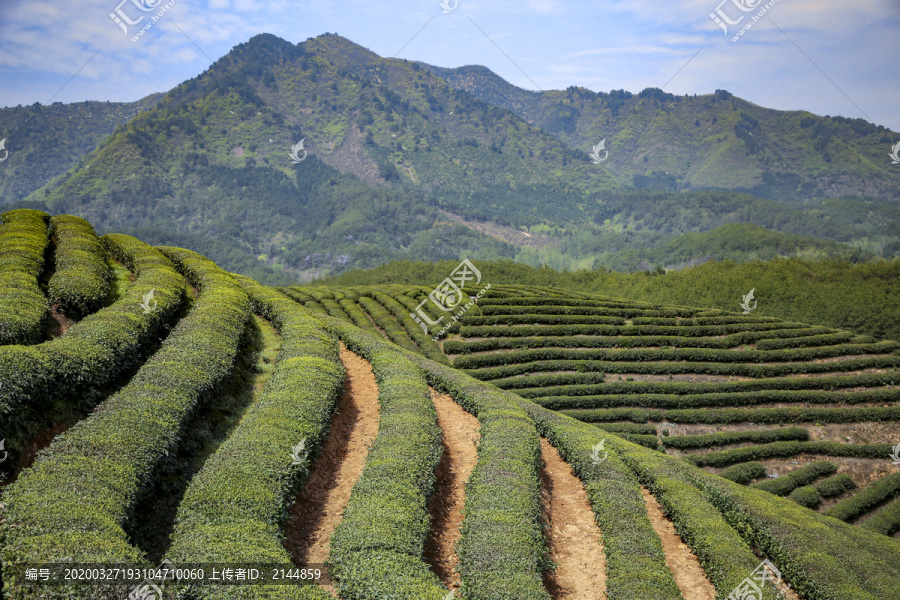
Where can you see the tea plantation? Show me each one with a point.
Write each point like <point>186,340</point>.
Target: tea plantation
<point>154,407</point>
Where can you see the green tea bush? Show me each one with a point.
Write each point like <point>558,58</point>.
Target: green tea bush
<point>625,341</point>
<point>612,330</point>
<point>806,496</point>
<point>377,547</point>
<point>358,316</point>
<point>387,323</point>
<point>635,562</point>
<point>886,521</point>
<point>784,485</point>
<point>835,485</point>
<point>74,367</point>
<point>822,558</point>
<point>233,509</point>
<point>761,436</point>
<point>698,355</point>
<point>534,319</point>
<point>23,307</point>
<point>110,458</point>
<point>678,368</point>
<point>422,338</point>
<point>501,550</point>
<point>744,473</point>
<point>633,428</point>
<point>80,283</point>
<point>798,414</point>
<point>820,385</point>
<point>875,493</point>
<point>788,449</point>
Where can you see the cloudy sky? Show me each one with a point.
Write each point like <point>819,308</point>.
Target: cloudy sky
<point>825,56</point>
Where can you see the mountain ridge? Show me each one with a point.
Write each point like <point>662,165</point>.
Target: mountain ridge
<point>391,150</point>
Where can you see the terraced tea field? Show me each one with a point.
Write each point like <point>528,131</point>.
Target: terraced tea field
<point>552,445</point>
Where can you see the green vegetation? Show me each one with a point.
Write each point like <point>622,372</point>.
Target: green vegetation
<point>744,473</point>
<point>784,485</point>
<point>787,449</point>
<point>793,414</point>
<point>219,522</point>
<point>23,307</point>
<point>835,485</point>
<point>80,283</point>
<point>886,521</point>
<point>501,551</point>
<point>72,369</point>
<point>856,297</point>
<point>377,547</point>
<point>875,493</point>
<point>762,436</point>
<point>636,565</point>
<point>110,457</point>
<point>419,159</point>
<point>806,496</point>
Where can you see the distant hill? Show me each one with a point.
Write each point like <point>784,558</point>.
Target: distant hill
<point>736,241</point>
<point>659,140</point>
<point>834,293</point>
<point>45,141</point>
<point>398,164</point>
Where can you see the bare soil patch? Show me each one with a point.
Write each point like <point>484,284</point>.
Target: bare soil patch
<point>319,506</point>
<point>573,536</point>
<point>35,445</point>
<point>682,561</point>
<point>58,324</point>
<point>460,431</point>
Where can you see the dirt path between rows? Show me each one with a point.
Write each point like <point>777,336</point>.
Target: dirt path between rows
<point>683,563</point>
<point>460,431</point>
<point>58,323</point>
<point>573,536</point>
<point>319,506</point>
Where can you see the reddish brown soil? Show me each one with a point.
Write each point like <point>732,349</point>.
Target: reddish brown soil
<point>35,445</point>
<point>59,323</point>
<point>683,563</point>
<point>573,536</point>
<point>460,432</point>
<point>319,506</point>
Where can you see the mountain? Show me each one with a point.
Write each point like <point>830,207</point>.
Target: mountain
<point>395,164</point>
<point>45,141</point>
<point>660,140</point>
<point>735,241</point>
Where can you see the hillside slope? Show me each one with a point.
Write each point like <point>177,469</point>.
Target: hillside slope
<point>660,140</point>
<point>396,163</point>
<point>181,421</point>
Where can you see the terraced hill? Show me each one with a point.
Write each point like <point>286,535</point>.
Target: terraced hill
<point>154,407</point>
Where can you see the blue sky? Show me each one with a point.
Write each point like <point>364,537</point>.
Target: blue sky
<point>827,57</point>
